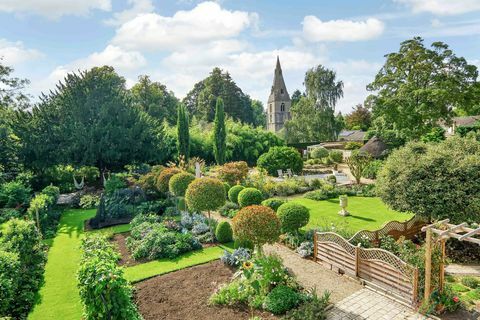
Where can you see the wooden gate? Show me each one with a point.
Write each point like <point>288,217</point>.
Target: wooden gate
<point>377,267</point>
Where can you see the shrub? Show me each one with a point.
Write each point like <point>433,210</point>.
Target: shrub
<point>9,278</point>
<point>313,309</point>
<point>437,181</point>
<point>352,145</point>
<point>13,194</point>
<point>102,286</point>
<point>319,153</point>
<point>305,249</point>
<point>336,156</point>
<point>233,193</point>
<point>115,182</point>
<point>257,224</point>
<point>357,162</point>
<point>22,239</point>
<point>9,213</point>
<point>148,181</point>
<point>235,258</point>
<point>229,209</point>
<point>293,216</point>
<point>91,174</point>
<point>205,194</point>
<point>227,187</point>
<point>372,169</point>
<point>89,201</point>
<point>157,207</point>
<point>249,196</point>
<point>179,182</point>
<point>281,299</point>
<point>281,158</point>
<point>224,232</point>
<point>470,282</point>
<point>53,193</point>
<point>233,172</point>
<point>273,203</point>
<point>164,178</point>
<point>332,179</point>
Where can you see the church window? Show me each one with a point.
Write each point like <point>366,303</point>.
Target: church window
<point>281,91</point>
<point>282,107</point>
<point>270,108</point>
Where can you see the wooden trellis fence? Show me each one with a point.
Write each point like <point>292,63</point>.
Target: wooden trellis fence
<point>375,266</point>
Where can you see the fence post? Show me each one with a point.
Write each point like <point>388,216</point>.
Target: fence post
<point>315,246</point>
<point>357,261</point>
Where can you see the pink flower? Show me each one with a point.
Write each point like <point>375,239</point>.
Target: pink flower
<point>456,299</point>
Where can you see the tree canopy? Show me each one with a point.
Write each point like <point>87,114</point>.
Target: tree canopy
<point>359,119</point>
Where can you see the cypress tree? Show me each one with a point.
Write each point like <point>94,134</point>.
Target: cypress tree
<point>219,133</point>
<point>183,134</point>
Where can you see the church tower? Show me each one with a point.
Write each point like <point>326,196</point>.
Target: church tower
<point>278,107</point>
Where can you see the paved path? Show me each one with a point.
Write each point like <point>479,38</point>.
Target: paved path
<point>313,275</point>
<point>463,269</point>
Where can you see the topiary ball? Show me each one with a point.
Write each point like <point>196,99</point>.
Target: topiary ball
<point>249,196</point>
<point>205,194</point>
<point>227,188</point>
<point>224,232</point>
<point>273,203</point>
<point>258,224</point>
<point>164,178</point>
<point>179,182</point>
<point>293,216</point>
<point>233,193</point>
<point>281,299</point>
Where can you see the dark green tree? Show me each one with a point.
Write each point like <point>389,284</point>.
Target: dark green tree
<point>259,114</point>
<point>219,133</point>
<point>154,99</point>
<point>417,87</point>
<point>183,135</point>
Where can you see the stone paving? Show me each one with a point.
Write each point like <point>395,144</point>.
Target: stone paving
<point>367,304</point>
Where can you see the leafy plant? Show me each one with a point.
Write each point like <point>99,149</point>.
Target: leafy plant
<point>305,249</point>
<point>233,172</point>
<point>281,299</point>
<point>281,158</point>
<point>224,232</point>
<point>14,194</point>
<point>319,153</point>
<point>249,196</point>
<point>357,162</point>
<point>336,156</point>
<point>313,309</point>
<point>89,201</point>
<point>293,216</point>
<point>164,177</point>
<point>470,282</point>
<point>237,257</point>
<point>115,182</point>
<point>273,203</point>
<point>179,182</point>
<point>233,193</point>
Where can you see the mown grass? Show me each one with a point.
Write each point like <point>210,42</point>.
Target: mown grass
<point>365,213</point>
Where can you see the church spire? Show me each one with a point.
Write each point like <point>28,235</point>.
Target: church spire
<point>279,90</point>
<point>278,108</point>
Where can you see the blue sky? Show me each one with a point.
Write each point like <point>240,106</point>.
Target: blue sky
<point>179,42</point>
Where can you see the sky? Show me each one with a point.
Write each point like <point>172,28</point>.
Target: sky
<point>178,42</point>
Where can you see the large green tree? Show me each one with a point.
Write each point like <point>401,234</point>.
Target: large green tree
<point>202,99</point>
<point>219,133</point>
<point>359,118</point>
<point>419,86</point>
<point>183,134</point>
<point>89,120</point>
<point>11,88</point>
<point>259,114</point>
<point>155,99</point>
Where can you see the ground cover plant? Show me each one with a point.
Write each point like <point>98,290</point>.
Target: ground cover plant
<point>467,288</point>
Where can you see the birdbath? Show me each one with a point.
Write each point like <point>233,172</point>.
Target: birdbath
<point>343,205</point>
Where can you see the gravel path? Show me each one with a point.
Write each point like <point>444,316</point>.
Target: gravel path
<point>314,275</point>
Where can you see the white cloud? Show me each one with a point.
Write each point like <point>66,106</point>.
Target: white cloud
<point>14,53</point>
<point>138,7</point>
<point>54,8</point>
<point>341,30</point>
<point>206,22</point>
<point>442,7</point>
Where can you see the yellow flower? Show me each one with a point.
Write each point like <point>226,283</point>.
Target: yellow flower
<point>247,265</point>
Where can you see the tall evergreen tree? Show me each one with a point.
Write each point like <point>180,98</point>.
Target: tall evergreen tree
<point>183,134</point>
<point>219,133</point>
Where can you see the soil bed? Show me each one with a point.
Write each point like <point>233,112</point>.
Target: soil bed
<point>184,294</point>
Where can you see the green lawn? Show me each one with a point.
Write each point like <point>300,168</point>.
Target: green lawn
<point>365,213</point>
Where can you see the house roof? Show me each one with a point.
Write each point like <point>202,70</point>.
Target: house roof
<point>375,146</point>
<point>352,135</point>
<point>461,121</point>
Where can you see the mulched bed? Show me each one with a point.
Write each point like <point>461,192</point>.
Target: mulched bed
<point>184,294</point>
<point>126,258</point>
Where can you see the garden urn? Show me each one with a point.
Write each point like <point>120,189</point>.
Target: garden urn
<point>343,205</point>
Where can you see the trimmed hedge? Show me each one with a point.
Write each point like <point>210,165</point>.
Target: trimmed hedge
<point>249,196</point>
<point>224,232</point>
<point>179,182</point>
<point>233,193</point>
<point>293,216</point>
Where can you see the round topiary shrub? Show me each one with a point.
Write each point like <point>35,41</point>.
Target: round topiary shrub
<point>224,232</point>
<point>336,156</point>
<point>227,187</point>
<point>179,182</point>
<point>281,299</point>
<point>293,216</point>
<point>281,158</point>
<point>319,153</point>
<point>249,196</point>
<point>233,193</point>
<point>205,194</point>
<point>257,224</point>
<point>164,178</point>
<point>273,203</point>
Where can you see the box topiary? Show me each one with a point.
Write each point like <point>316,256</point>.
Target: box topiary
<point>273,203</point>
<point>293,216</point>
<point>224,232</point>
<point>249,196</point>
<point>179,182</point>
<point>281,299</point>
<point>233,193</point>
<point>164,178</point>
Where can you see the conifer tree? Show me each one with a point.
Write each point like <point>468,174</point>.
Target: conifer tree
<point>183,135</point>
<point>219,133</point>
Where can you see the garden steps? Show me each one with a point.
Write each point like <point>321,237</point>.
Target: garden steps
<point>463,269</point>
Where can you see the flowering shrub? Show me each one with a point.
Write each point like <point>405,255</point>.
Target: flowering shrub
<point>233,172</point>
<point>258,224</point>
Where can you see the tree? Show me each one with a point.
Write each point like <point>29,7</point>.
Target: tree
<point>11,89</point>
<point>219,133</point>
<point>201,100</point>
<point>417,87</point>
<point>359,118</point>
<point>434,180</point>
<point>259,114</point>
<point>321,85</point>
<point>154,99</point>
<point>281,158</point>
<point>357,162</point>
<point>296,95</point>
<point>89,120</point>
<point>183,135</point>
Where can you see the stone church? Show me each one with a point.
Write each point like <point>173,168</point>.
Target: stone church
<point>278,107</point>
